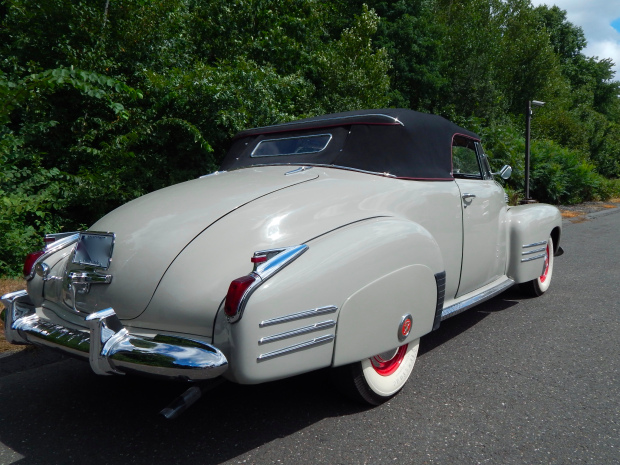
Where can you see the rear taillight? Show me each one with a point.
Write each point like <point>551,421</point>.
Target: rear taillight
<point>236,291</point>
<point>30,260</point>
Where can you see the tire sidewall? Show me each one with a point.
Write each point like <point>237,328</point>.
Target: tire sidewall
<point>543,286</point>
<point>387,386</point>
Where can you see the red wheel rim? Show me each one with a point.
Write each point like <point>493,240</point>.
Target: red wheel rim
<point>543,277</point>
<point>387,367</point>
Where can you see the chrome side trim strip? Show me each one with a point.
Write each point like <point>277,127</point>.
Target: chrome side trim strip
<point>298,316</point>
<point>533,251</point>
<point>535,257</point>
<point>476,299</point>
<point>534,244</point>
<point>297,332</point>
<point>296,348</point>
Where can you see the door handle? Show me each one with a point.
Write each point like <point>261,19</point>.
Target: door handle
<point>468,196</point>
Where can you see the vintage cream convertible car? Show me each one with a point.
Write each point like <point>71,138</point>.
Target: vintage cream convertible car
<point>336,241</point>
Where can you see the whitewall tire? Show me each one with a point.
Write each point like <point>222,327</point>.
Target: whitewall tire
<point>539,286</point>
<point>377,379</point>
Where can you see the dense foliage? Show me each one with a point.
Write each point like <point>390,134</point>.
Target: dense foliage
<point>102,101</point>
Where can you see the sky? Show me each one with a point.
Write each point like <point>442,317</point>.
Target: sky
<point>600,21</point>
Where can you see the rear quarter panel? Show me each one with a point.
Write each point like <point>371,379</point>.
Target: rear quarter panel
<point>374,272</point>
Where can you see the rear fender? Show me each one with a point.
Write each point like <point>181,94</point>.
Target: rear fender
<point>369,273</point>
<point>529,227</point>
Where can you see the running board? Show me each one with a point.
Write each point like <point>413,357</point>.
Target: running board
<point>472,301</point>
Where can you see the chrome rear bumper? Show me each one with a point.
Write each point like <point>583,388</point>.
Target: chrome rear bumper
<point>109,347</point>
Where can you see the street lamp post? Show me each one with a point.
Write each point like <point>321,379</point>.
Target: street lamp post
<point>528,119</point>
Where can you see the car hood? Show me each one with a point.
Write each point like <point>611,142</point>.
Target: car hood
<point>153,230</point>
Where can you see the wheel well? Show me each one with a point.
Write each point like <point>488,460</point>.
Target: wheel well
<point>555,235</point>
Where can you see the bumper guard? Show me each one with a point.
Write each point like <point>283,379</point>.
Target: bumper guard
<point>109,346</point>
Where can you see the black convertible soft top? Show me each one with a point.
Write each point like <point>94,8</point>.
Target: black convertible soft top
<point>397,142</point>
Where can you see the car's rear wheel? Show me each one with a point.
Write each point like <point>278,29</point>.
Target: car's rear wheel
<point>539,286</point>
<point>379,378</point>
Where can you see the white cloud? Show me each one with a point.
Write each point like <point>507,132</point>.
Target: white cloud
<point>595,18</point>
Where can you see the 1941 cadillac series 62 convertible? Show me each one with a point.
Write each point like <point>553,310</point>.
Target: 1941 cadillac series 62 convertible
<point>336,241</point>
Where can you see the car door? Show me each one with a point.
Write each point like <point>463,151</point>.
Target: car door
<point>483,214</point>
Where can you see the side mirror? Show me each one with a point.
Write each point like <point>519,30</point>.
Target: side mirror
<point>505,172</point>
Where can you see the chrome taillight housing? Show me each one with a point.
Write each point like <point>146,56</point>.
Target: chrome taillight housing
<point>266,264</point>
<point>53,243</point>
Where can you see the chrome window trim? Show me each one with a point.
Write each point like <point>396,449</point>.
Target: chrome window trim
<point>309,136</point>
<point>297,332</point>
<point>298,316</point>
<point>533,244</point>
<point>535,257</point>
<point>296,348</point>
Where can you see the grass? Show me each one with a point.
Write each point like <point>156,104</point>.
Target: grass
<point>6,286</point>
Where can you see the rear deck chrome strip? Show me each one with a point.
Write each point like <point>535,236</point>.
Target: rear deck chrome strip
<point>298,316</point>
<point>296,348</point>
<point>476,299</point>
<point>297,332</point>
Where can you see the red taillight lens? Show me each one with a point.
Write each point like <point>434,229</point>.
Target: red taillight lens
<point>236,290</point>
<point>30,260</point>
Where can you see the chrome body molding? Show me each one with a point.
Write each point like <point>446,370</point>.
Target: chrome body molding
<point>266,270</point>
<point>298,170</point>
<point>296,348</point>
<point>529,251</point>
<point>297,332</point>
<point>534,244</point>
<point>110,347</point>
<point>533,251</point>
<point>472,301</point>
<point>61,241</point>
<point>299,316</point>
<point>338,167</point>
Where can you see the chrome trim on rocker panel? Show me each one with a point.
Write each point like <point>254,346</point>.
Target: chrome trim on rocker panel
<point>475,300</point>
<point>534,244</point>
<point>298,316</point>
<point>535,257</point>
<point>297,332</point>
<point>297,347</point>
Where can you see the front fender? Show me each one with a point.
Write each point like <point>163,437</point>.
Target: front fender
<point>371,272</point>
<point>529,225</point>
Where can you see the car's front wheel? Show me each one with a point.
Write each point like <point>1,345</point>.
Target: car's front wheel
<point>539,286</point>
<point>377,379</point>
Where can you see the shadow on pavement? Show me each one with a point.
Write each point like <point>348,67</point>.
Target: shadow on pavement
<point>62,413</point>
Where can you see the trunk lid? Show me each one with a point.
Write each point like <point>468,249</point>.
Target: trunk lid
<point>153,230</point>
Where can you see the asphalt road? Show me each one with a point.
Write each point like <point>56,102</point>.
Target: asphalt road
<point>514,381</point>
